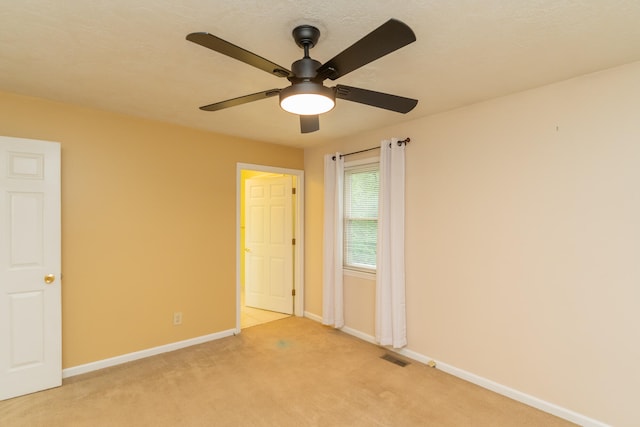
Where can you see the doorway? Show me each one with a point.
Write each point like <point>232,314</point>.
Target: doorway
<point>269,244</point>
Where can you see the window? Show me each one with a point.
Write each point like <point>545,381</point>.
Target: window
<point>361,189</point>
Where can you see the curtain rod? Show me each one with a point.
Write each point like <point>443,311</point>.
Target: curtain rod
<point>404,141</point>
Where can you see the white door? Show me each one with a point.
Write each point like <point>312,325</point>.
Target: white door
<point>30,309</point>
<point>269,244</point>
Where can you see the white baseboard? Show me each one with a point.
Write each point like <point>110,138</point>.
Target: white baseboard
<point>356,333</point>
<point>481,381</point>
<point>519,396</point>
<point>313,316</point>
<point>118,360</point>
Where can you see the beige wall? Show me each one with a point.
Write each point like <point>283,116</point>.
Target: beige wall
<point>148,224</point>
<point>522,241</point>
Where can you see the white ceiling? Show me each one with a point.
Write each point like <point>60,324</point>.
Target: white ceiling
<point>131,56</point>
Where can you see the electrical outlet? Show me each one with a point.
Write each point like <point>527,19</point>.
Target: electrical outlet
<point>177,318</point>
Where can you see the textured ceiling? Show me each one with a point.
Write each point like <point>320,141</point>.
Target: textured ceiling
<point>131,56</point>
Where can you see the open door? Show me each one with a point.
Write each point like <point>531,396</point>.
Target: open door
<point>30,306</point>
<point>269,243</point>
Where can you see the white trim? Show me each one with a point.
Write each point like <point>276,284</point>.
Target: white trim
<point>369,275</point>
<point>118,360</point>
<point>516,395</point>
<point>519,396</point>
<point>365,337</point>
<point>312,316</point>
<point>298,278</point>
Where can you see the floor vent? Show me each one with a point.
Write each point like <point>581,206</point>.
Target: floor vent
<point>391,358</point>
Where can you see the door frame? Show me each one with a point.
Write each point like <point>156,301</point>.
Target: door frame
<point>298,212</point>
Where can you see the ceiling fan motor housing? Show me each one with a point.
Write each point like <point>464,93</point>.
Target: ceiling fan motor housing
<point>304,70</point>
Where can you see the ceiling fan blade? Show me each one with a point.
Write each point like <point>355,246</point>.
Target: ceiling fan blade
<point>309,123</point>
<point>240,100</point>
<point>222,46</point>
<point>396,103</point>
<point>390,36</point>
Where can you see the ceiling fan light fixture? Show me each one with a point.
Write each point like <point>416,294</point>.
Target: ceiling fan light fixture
<point>307,98</point>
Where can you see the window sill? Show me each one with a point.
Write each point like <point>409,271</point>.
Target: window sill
<point>369,275</point>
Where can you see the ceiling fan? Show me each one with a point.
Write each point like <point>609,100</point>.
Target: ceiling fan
<point>307,96</point>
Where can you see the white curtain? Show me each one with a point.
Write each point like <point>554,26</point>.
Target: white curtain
<point>332,293</point>
<point>391,322</point>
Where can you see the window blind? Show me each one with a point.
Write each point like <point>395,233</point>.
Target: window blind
<point>361,190</point>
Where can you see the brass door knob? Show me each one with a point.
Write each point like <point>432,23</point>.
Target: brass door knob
<point>49,279</point>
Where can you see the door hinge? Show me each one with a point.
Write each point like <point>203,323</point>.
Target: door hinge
<point>293,190</point>
<point>293,292</point>
<point>293,241</point>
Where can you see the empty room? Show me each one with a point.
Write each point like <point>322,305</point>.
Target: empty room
<point>299,213</point>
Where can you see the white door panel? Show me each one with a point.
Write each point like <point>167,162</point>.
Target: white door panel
<point>30,309</point>
<point>268,243</point>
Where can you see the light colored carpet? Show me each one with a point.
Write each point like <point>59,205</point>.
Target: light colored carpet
<point>291,372</point>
